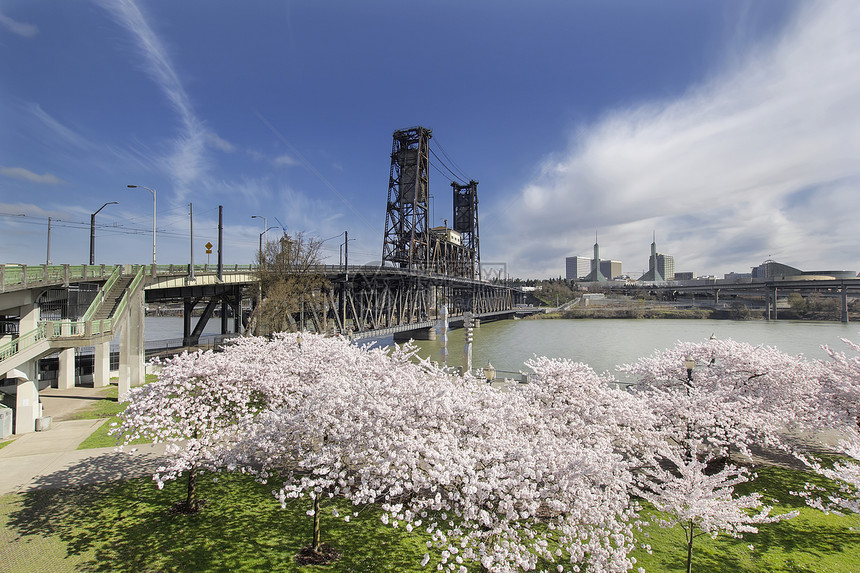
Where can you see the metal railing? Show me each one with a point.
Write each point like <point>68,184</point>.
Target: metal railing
<point>24,276</point>
<point>100,298</point>
<point>26,340</point>
<point>138,278</point>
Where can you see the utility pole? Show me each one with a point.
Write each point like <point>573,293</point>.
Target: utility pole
<point>48,257</point>
<point>220,242</point>
<point>191,220</point>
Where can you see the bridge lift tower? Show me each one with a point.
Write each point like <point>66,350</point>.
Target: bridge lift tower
<point>466,223</point>
<point>407,218</point>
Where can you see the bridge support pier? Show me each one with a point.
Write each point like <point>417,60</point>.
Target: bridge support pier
<point>66,374</point>
<point>131,348</point>
<point>101,365</point>
<point>844,305</point>
<point>27,405</point>
<point>417,334</point>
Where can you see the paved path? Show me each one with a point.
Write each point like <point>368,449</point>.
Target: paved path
<point>50,459</point>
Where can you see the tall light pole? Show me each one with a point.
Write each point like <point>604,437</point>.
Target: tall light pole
<point>93,231</point>
<point>262,258</point>
<point>263,235</point>
<point>153,220</point>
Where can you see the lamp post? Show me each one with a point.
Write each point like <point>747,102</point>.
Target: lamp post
<point>689,364</point>
<point>262,258</point>
<point>153,220</point>
<point>265,227</point>
<point>93,231</point>
<point>489,372</point>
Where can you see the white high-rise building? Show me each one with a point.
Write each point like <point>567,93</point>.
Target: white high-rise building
<point>576,268</point>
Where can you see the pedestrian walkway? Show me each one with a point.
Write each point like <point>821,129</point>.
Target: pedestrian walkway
<point>50,459</point>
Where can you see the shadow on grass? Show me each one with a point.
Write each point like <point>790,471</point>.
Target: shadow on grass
<point>127,526</point>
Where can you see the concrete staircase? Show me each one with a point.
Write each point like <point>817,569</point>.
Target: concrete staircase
<point>113,298</point>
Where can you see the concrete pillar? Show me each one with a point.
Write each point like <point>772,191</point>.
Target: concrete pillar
<point>29,318</point>
<point>27,406</point>
<point>101,365</point>
<point>844,305</point>
<point>137,318</point>
<point>66,377</point>
<point>124,382</point>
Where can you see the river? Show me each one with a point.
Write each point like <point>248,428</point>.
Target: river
<point>600,343</point>
<point>605,343</point>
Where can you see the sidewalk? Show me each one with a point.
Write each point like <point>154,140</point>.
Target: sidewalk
<point>50,459</point>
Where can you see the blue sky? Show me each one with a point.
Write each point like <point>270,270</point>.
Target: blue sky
<point>730,128</point>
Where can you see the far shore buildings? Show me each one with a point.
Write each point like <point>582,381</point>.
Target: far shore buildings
<point>660,267</point>
<point>591,270</point>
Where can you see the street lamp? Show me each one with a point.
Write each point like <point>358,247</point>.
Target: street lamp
<point>262,257</point>
<point>265,224</point>
<point>93,231</point>
<point>153,220</point>
<point>489,372</point>
<point>689,364</point>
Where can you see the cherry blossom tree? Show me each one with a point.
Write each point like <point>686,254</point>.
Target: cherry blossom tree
<point>702,503</point>
<point>197,400</point>
<point>483,472</point>
<point>839,401</point>
<point>735,395</point>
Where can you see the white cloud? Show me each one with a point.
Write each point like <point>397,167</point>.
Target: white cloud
<point>57,128</point>
<point>19,28</point>
<point>187,162</point>
<point>215,141</point>
<point>760,160</point>
<point>27,175</point>
<point>285,160</point>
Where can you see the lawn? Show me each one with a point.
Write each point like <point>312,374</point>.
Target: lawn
<point>107,408</point>
<point>128,527</point>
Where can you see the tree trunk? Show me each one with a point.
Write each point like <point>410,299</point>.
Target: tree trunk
<point>315,542</point>
<point>191,497</point>
<point>690,549</point>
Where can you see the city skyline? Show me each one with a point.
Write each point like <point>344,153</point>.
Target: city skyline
<point>730,126</point>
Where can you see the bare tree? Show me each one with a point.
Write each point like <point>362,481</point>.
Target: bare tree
<point>289,271</point>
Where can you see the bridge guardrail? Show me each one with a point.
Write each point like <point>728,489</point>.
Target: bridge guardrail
<point>123,303</point>
<point>100,298</point>
<point>25,340</point>
<point>23,276</point>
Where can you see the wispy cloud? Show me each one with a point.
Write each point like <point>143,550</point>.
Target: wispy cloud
<point>19,28</point>
<point>187,160</point>
<point>217,142</point>
<point>56,127</point>
<point>285,160</point>
<point>755,162</point>
<point>27,175</point>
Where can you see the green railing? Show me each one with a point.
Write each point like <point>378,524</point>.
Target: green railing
<point>24,275</point>
<point>25,340</point>
<point>138,278</point>
<point>100,298</point>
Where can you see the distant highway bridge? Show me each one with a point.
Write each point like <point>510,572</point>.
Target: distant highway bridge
<point>769,290</point>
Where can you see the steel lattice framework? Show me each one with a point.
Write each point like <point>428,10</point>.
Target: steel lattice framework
<point>407,239</point>
<point>466,223</point>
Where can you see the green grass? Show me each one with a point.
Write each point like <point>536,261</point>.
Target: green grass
<point>5,443</point>
<point>108,408</point>
<point>128,527</point>
<point>811,542</point>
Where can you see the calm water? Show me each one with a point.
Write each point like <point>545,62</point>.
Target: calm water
<point>604,344</point>
<point>169,327</point>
